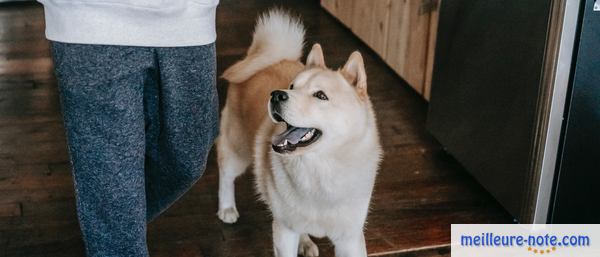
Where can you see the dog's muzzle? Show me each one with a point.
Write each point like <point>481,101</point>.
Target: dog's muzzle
<point>293,137</point>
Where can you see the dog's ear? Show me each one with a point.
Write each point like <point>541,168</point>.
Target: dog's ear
<point>315,57</point>
<point>354,71</point>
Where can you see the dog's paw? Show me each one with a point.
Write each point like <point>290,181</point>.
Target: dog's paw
<point>228,215</point>
<point>308,248</point>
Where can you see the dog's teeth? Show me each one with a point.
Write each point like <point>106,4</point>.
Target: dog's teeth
<point>285,142</point>
<point>304,138</point>
<point>307,136</point>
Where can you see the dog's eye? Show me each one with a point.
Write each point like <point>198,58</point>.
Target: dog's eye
<point>321,95</point>
<point>291,86</point>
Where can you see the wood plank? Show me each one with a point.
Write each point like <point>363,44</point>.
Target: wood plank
<point>10,210</point>
<point>26,66</point>
<point>370,20</point>
<point>341,9</point>
<point>433,26</point>
<point>407,41</point>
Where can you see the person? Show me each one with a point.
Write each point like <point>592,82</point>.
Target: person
<point>138,93</point>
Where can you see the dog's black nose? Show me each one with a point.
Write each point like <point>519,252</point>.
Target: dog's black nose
<point>278,96</point>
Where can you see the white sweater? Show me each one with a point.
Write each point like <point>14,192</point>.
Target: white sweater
<point>155,23</point>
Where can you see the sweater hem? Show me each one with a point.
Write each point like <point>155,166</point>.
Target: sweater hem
<point>192,25</point>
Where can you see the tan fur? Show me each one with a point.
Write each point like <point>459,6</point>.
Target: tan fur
<point>247,101</point>
<point>244,112</point>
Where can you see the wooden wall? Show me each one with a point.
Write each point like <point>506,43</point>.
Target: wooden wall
<point>402,32</point>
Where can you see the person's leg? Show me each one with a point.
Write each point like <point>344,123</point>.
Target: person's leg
<point>185,123</point>
<point>101,89</point>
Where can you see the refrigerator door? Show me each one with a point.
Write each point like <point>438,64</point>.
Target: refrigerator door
<point>578,183</point>
<point>488,65</point>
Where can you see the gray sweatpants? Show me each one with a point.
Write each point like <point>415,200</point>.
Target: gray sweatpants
<point>140,122</point>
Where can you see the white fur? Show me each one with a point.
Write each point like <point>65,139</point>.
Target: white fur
<point>277,36</point>
<point>324,192</point>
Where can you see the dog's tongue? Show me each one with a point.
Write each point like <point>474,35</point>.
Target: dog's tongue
<point>292,134</point>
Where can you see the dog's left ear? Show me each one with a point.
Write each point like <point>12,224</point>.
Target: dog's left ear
<point>354,72</point>
<point>315,57</point>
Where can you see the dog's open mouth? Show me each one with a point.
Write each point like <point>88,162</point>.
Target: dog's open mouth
<point>293,137</point>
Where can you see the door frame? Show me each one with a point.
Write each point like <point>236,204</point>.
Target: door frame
<point>554,88</point>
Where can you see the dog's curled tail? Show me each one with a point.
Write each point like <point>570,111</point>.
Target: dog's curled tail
<point>277,36</point>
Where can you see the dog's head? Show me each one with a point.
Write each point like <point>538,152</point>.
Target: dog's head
<point>324,110</point>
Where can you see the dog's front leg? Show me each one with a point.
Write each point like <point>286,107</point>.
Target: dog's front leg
<point>350,246</point>
<point>285,240</point>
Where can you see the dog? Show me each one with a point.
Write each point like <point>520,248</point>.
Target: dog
<point>311,134</point>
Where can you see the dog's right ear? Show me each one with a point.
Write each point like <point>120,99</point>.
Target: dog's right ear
<point>315,58</point>
<point>354,72</point>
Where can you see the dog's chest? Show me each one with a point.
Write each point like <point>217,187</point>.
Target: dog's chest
<point>321,197</point>
<point>321,181</point>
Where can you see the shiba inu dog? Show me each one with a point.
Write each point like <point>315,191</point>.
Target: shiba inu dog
<point>311,134</point>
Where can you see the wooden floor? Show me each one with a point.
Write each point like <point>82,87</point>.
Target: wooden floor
<point>420,190</point>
